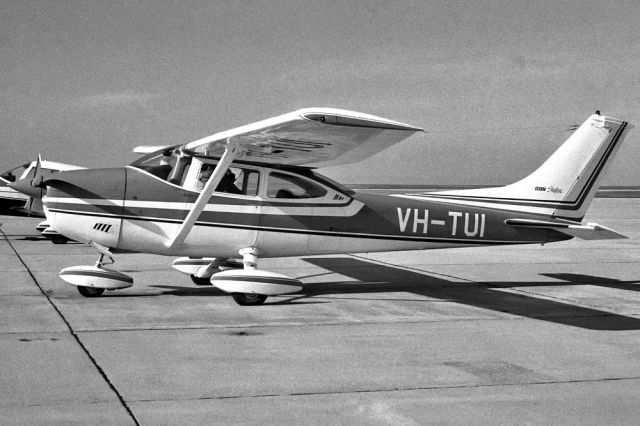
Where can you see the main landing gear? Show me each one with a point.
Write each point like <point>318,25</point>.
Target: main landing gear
<point>249,299</point>
<point>90,291</point>
<point>203,274</point>
<point>200,281</point>
<point>251,286</point>
<point>248,285</point>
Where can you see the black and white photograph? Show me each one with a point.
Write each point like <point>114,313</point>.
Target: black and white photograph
<point>296,212</point>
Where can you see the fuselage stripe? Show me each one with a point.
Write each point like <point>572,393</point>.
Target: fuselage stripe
<point>284,209</point>
<point>302,231</point>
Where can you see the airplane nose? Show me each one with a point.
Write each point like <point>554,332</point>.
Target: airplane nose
<point>25,186</point>
<point>86,205</point>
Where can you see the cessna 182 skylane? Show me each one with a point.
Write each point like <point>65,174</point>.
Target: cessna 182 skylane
<point>251,192</point>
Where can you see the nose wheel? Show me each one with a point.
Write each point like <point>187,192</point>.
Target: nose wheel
<point>93,280</point>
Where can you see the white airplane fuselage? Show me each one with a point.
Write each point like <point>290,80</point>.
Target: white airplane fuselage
<point>130,209</point>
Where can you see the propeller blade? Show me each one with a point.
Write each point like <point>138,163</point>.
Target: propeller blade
<point>37,177</point>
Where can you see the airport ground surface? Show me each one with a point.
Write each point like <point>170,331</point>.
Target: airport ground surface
<point>508,335</point>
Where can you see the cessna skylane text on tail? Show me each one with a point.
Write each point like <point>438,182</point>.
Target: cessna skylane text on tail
<point>251,193</point>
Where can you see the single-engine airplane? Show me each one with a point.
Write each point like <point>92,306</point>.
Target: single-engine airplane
<point>251,193</point>
<point>16,191</point>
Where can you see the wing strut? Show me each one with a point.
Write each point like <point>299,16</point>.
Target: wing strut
<point>230,151</point>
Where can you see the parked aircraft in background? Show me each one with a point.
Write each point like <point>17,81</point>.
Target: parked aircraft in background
<point>16,192</point>
<point>252,193</point>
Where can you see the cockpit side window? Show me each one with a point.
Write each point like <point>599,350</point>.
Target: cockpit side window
<point>193,173</point>
<point>281,185</point>
<point>237,180</point>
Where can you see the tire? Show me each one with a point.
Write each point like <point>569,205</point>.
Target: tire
<point>59,240</point>
<point>200,281</point>
<point>90,291</point>
<point>249,299</point>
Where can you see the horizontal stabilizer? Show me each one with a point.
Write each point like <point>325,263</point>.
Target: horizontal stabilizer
<point>590,231</point>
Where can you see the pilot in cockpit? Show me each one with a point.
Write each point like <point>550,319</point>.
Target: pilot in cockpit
<point>227,183</point>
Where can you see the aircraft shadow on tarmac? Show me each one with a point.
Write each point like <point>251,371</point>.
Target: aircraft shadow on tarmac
<point>371,277</point>
<point>376,278</point>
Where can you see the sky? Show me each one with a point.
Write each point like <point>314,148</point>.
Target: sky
<point>495,84</point>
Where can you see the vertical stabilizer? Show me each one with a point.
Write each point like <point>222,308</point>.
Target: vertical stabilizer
<point>565,184</point>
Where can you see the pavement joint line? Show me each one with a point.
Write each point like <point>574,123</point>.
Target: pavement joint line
<point>397,389</point>
<point>73,333</point>
<point>59,404</point>
<point>329,324</point>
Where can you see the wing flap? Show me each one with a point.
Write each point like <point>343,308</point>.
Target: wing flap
<point>315,137</point>
<point>590,231</point>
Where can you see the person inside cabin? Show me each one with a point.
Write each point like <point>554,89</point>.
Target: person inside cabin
<point>227,183</point>
<point>205,173</point>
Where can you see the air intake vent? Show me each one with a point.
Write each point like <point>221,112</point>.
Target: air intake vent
<point>103,227</point>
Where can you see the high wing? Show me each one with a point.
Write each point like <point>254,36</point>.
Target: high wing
<point>316,137</point>
<point>312,136</point>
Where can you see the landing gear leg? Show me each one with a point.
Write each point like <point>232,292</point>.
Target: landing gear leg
<point>250,285</point>
<point>250,262</point>
<point>96,291</point>
<point>93,280</point>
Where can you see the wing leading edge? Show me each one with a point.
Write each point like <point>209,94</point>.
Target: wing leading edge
<point>316,137</point>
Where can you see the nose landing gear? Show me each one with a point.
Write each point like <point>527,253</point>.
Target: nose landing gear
<point>93,280</point>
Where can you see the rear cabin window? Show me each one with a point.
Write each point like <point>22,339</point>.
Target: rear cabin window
<point>281,185</point>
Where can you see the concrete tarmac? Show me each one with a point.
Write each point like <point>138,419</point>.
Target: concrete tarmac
<point>502,335</point>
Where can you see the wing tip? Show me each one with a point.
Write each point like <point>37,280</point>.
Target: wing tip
<point>343,117</point>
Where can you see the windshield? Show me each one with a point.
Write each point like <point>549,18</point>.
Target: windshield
<point>15,173</point>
